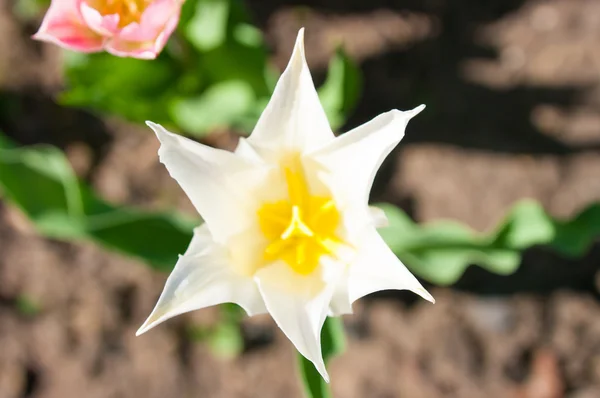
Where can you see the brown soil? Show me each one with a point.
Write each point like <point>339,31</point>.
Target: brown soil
<point>513,95</point>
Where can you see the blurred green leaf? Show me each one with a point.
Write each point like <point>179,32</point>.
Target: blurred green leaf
<point>29,9</point>
<point>333,342</point>
<point>220,106</point>
<point>208,27</point>
<point>526,225</point>
<point>27,306</point>
<point>440,252</point>
<point>135,89</point>
<point>574,237</point>
<point>341,90</point>
<point>248,35</point>
<point>225,339</point>
<point>40,181</point>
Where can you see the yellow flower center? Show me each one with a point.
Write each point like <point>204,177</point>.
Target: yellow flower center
<point>303,227</point>
<point>128,10</point>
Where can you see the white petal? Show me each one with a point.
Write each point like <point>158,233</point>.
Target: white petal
<point>246,150</point>
<point>202,278</point>
<point>354,158</point>
<point>299,306</point>
<point>377,268</point>
<point>294,118</point>
<point>378,217</point>
<point>340,302</point>
<point>219,183</point>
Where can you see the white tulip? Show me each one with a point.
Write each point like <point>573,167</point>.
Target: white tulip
<point>288,229</point>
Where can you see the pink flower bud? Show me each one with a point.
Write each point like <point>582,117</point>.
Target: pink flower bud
<point>126,28</point>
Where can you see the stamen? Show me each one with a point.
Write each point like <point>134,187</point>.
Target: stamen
<point>128,10</point>
<point>300,254</point>
<point>276,247</point>
<point>301,228</point>
<point>296,226</point>
<point>329,245</point>
<point>323,209</point>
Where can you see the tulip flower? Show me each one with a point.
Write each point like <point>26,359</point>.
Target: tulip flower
<point>126,28</point>
<point>288,229</point>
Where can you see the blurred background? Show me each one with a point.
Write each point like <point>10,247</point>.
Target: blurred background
<point>512,89</point>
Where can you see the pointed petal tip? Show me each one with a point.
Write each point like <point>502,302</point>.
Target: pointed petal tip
<point>300,37</point>
<point>322,370</point>
<point>426,295</point>
<point>143,329</point>
<point>153,126</point>
<point>153,320</point>
<point>414,112</point>
<point>147,325</point>
<point>299,47</point>
<point>161,133</point>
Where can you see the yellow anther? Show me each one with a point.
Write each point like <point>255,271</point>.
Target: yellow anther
<point>301,228</point>
<point>128,10</point>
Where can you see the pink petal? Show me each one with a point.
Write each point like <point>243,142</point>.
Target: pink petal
<point>139,50</point>
<point>105,25</point>
<point>63,25</point>
<point>147,39</point>
<point>159,13</point>
<point>157,18</point>
<point>59,8</point>
<point>163,37</point>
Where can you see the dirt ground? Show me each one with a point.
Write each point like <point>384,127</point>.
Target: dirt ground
<point>513,111</point>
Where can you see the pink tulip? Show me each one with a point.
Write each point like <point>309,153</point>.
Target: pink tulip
<point>126,28</point>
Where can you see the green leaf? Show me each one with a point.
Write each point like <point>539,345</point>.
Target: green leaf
<point>333,342</point>
<point>157,238</point>
<point>225,339</point>
<point>40,181</point>
<point>28,10</point>
<point>526,225</point>
<point>208,27</point>
<point>27,306</point>
<point>440,252</point>
<point>574,237</point>
<point>341,90</point>
<point>248,35</point>
<point>135,89</point>
<point>222,105</point>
